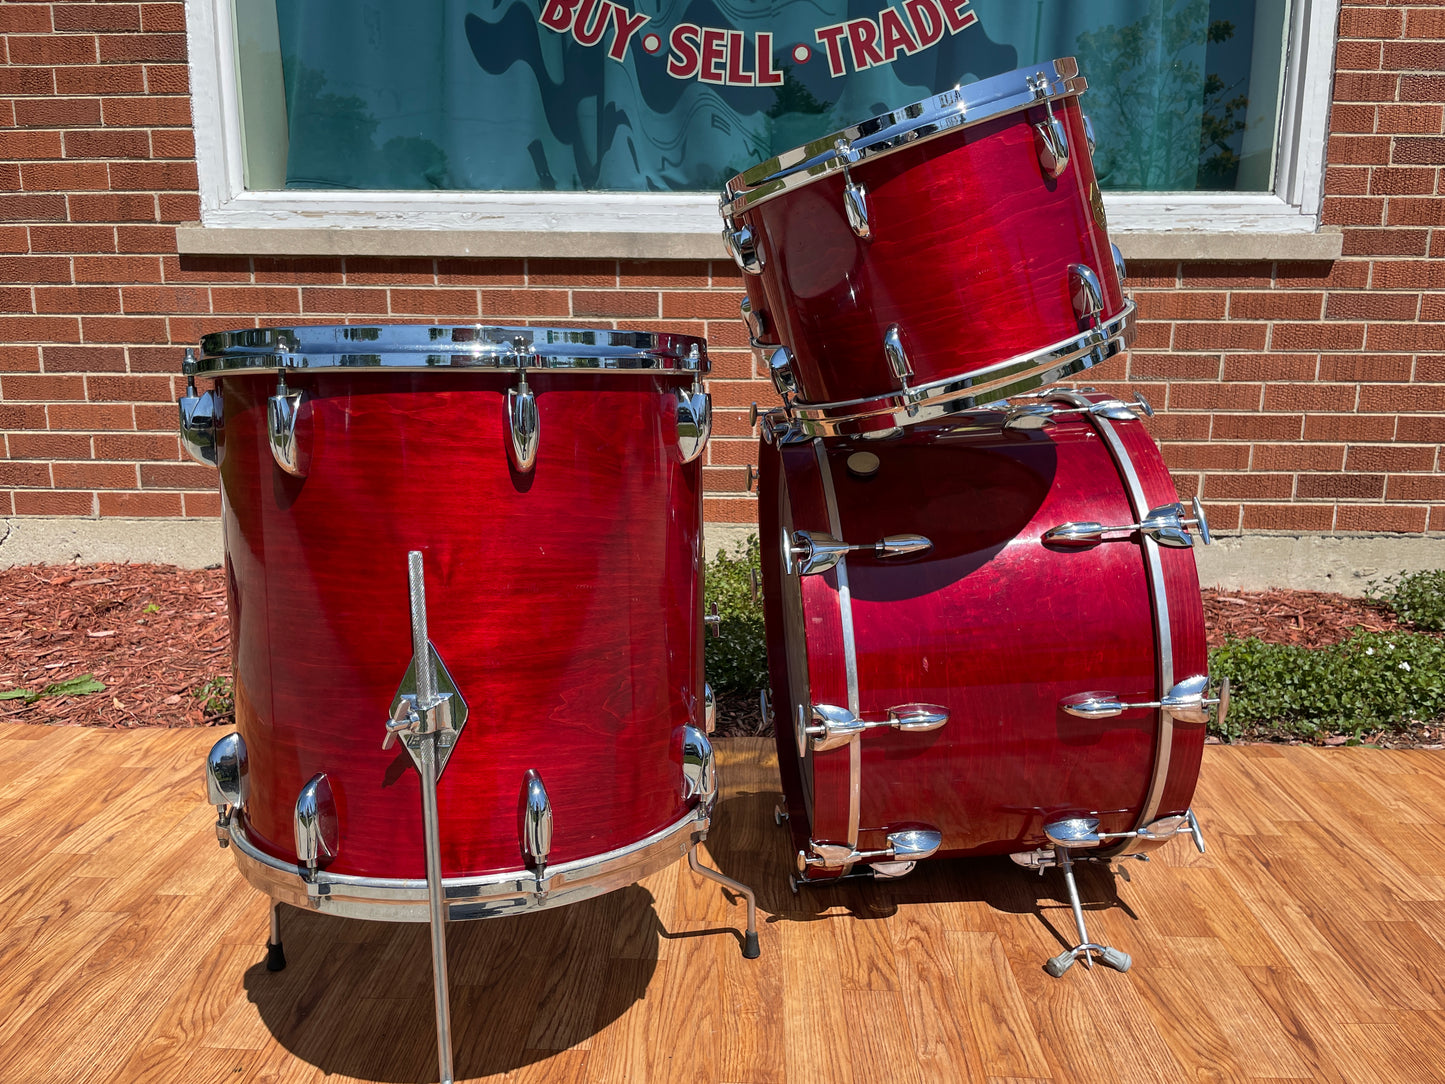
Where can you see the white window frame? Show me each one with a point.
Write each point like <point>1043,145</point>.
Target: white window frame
<point>1293,207</point>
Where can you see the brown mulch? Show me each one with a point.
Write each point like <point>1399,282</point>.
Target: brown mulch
<point>1302,618</point>
<point>154,635</point>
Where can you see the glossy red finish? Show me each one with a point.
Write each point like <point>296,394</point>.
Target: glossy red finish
<point>565,603</point>
<point>969,255</point>
<point>991,623</point>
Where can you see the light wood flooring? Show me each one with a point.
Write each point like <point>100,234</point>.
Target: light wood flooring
<point>1308,944</point>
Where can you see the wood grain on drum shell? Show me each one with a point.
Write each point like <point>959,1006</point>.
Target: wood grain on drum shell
<point>565,603</point>
<point>969,256</point>
<point>995,626</point>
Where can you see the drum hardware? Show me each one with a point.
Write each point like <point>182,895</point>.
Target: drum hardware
<point>1069,835</point>
<point>814,552</point>
<point>1089,134</point>
<point>908,845</point>
<point>1037,415</point>
<point>200,416</point>
<point>694,420</point>
<point>282,411</point>
<point>834,727</point>
<point>863,464</point>
<point>315,823</point>
<point>228,781</point>
<point>1051,138</point>
<point>1165,525</point>
<point>855,196</point>
<point>699,773</point>
<point>898,362</point>
<point>755,583</point>
<point>780,368</point>
<point>1118,263</point>
<point>780,814</point>
<point>524,425</point>
<point>751,950</point>
<point>740,240</point>
<point>712,621</point>
<point>1086,295</point>
<point>709,708</point>
<point>750,478</point>
<point>1185,702</point>
<point>534,826</point>
<point>275,951</point>
<point>757,323</point>
<point>765,706</point>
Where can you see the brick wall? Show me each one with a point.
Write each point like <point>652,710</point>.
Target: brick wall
<point>1291,396</point>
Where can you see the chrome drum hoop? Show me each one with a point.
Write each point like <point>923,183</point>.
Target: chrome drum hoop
<point>445,347</point>
<point>491,895</point>
<point>979,392</point>
<point>960,107</point>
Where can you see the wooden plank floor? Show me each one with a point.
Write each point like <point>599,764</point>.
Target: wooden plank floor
<point>1309,944</point>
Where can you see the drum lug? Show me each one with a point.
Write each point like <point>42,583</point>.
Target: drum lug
<point>1089,136</point>
<point>699,772</point>
<point>750,479</point>
<point>1185,702</point>
<point>898,361</point>
<point>907,845</point>
<point>1119,267</point>
<point>834,726</point>
<point>534,826</point>
<point>855,196</point>
<point>757,323</point>
<point>743,245</point>
<point>816,552</point>
<point>228,782</point>
<point>200,415</point>
<point>1051,138</point>
<point>712,621</point>
<point>1086,295</point>
<point>524,425</point>
<point>694,421</point>
<point>1165,524</point>
<point>1037,415</point>
<point>315,823</point>
<point>709,708</point>
<point>282,412</point>
<point>780,369</point>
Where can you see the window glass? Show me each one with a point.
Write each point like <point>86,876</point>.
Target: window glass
<point>680,95</point>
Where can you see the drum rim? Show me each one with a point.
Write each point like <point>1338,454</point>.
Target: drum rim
<point>961,107</point>
<point>960,393</point>
<point>442,347</point>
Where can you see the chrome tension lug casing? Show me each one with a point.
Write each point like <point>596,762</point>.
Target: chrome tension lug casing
<point>812,552</point>
<point>699,771</point>
<point>833,727</point>
<point>1089,135</point>
<point>228,783</point>
<point>200,416</point>
<point>1051,138</point>
<point>694,421</point>
<point>906,846</point>
<point>780,369</point>
<point>315,824</point>
<point>709,709</point>
<point>1166,525</point>
<point>1185,702</point>
<point>534,828</point>
<point>524,425</point>
<point>283,411</point>
<point>855,196</point>
<point>1086,294</point>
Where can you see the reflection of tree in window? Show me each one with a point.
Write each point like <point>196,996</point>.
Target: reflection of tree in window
<point>333,142</point>
<point>1164,124</point>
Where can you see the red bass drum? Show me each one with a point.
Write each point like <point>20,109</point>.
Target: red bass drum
<point>958,242</point>
<point>550,480</point>
<point>970,633</point>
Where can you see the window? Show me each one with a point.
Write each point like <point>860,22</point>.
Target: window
<point>594,115</point>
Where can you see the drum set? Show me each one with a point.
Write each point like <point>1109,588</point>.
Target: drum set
<point>984,626</point>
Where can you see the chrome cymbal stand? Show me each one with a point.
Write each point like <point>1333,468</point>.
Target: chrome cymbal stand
<point>427,717</point>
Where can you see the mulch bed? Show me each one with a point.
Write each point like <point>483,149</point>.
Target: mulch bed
<point>156,636</point>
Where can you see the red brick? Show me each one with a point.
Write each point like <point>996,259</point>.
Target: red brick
<point>1357,487</point>
<point>1419,428</point>
<point>22,415</point>
<point>25,143</point>
<point>1408,275</point>
<point>49,446</point>
<point>47,208</point>
<point>124,329</point>
<point>1256,427</point>
<point>718,333</point>
<point>1371,306</point>
<point>153,176</point>
<point>1349,427</point>
<point>1323,275</point>
<point>113,208</point>
<point>115,48</point>
<point>1220,335</point>
<point>1347,181</point>
<point>179,206</point>
<point>1422,88</point>
<point>1359,150</point>
<point>19,359</point>
<point>1391,458</point>
<point>1316,336</point>
<point>1213,396</point>
<point>1432,307</point>
<point>156,359</point>
<point>48,502</point>
<point>130,389</point>
<point>101,143</point>
<point>1425,23</point>
<point>1375,517</point>
<point>310,271</point>
<point>39,329</point>
<point>64,176</point>
<point>1341,211</point>
<point>19,81</point>
<point>36,269</point>
<point>1419,150</point>
<point>618,304</point>
<point>1406,337</point>
<point>461,272</point>
<point>17,473</point>
<point>166,299</point>
<point>16,299</point>
<point>202,505</point>
<point>56,112</point>
<point>103,17</point>
<point>139,504</point>
<point>1386,242</point>
<point>1293,457</point>
<point>349,300</point>
<point>1259,487</point>
<point>572,273</point>
<point>1286,517</point>
<point>1402,181</point>
<point>730,510</point>
<point>1353,118</point>
<point>525,303</point>
<point>434,302</point>
<point>25,19</point>
<point>1309,397</point>
<point>185,475</point>
<point>146,112</point>
<point>1184,305</point>
<point>156,416</point>
<point>41,389</point>
<point>91,417</point>
<point>1153,335</point>
<point>137,446</point>
<point>1143,274</point>
<point>256,299</point>
<point>1145,366</point>
<point>72,238</point>
<point>84,359</point>
<point>105,81</point>
<point>1358,56</point>
<point>9,176</point>
<point>1275,305</point>
<point>1377,24</point>
<point>77,299</point>
<point>664,274</point>
<point>172,143</point>
<point>119,269</point>
<point>1411,119</point>
<point>379,271</point>
<point>1413,56</point>
<point>50,50</point>
<point>1228,276</point>
<point>1178,456</point>
<point>1417,212</point>
<point>91,475</point>
<point>158,18</point>
<point>1406,487</point>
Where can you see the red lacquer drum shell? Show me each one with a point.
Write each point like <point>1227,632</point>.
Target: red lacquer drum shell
<point>994,624</point>
<point>957,226</point>
<point>563,599</point>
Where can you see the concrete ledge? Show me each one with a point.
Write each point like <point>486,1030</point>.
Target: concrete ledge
<point>189,543</point>
<point>1189,246</point>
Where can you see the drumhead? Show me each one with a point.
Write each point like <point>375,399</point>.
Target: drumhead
<point>427,347</point>
<point>960,107</point>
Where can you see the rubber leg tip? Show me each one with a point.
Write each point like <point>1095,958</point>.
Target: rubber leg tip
<point>275,957</point>
<point>1057,965</point>
<point>1112,957</point>
<point>750,946</point>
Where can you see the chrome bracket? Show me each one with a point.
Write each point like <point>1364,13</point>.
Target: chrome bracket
<point>741,242</point>
<point>699,769</point>
<point>534,827</point>
<point>712,622</point>
<point>1066,835</point>
<point>228,783</point>
<point>283,410</point>
<point>524,424</point>
<point>757,323</point>
<point>834,727</point>
<point>780,369</point>
<point>898,361</point>
<point>908,845</point>
<point>1185,701</point>
<point>694,421</point>
<point>813,551</point>
<point>1165,524</point>
<point>314,824</point>
<point>855,195</point>
<point>1051,138</point>
<point>1086,294</point>
<point>1037,415</point>
<point>200,416</point>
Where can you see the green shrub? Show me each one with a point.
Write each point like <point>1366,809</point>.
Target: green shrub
<point>737,660</point>
<point>1416,597</point>
<point>1371,681</point>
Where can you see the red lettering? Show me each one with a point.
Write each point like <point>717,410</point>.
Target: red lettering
<point>828,37</point>
<point>683,60</point>
<point>557,15</point>
<point>594,12</point>
<point>623,27</point>
<point>768,76</point>
<point>863,43</point>
<point>714,52</point>
<point>927,24</point>
<point>896,38</point>
<point>736,76</point>
<point>955,16</point>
